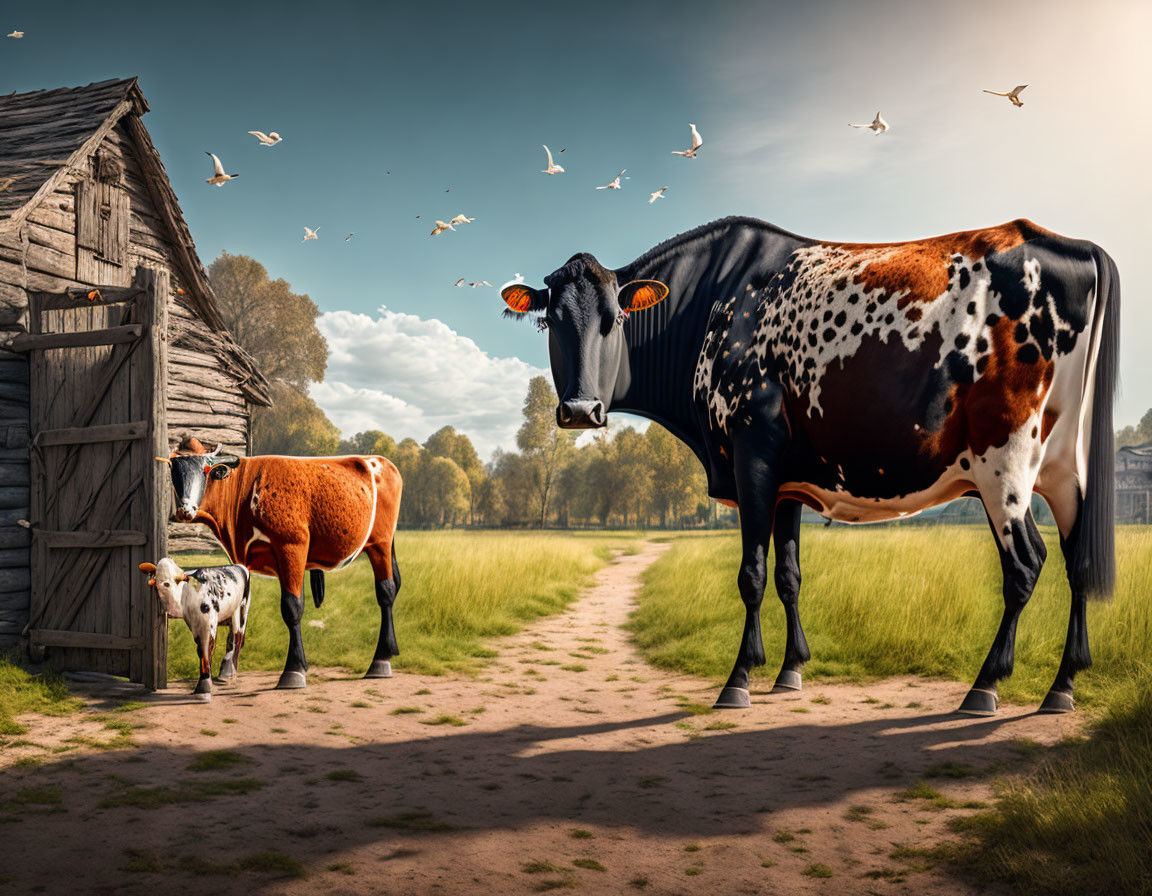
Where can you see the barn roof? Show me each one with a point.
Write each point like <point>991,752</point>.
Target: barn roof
<point>1144,450</point>
<point>48,134</point>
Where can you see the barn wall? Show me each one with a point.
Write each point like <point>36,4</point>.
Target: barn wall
<point>203,399</point>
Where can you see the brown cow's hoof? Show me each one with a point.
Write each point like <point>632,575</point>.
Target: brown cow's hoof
<point>379,669</point>
<point>787,680</point>
<point>733,698</point>
<point>1057,701</point>
<point>980,702</point>
<point>227,670</point>
<point>290,681</point>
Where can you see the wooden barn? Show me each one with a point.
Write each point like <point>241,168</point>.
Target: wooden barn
<point>112,349</point>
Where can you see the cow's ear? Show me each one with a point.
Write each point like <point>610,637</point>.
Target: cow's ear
<point>148,568</point>
<point>641,294</point>
<point>521,299</point>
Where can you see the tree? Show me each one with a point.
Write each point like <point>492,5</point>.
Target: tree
<point>1138,434</point>
<point>371,441</point>
<point>546,447</point>
<point>293,425</point>
<point>678,482</point>
<point>457,447</point>
<point>278,328</point>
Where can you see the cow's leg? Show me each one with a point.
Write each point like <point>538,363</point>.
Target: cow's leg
<point>786,538</point>
<point>756,488</point>
<point>1022,555</point>
<point>290,560</point>
<point>235,639</point>
<point>204,647</point>
<point>387,573</point>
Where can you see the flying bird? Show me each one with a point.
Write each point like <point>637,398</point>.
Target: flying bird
<point>1013,95</point>
<point>552,168</point>
<point>659,194</point>
<point>350,235</point>
<point>441,226</point>
<point>878,126</point>
<point>461,219</point>
<point>219,178</point>
<point>269,139</point>
<point>476,283</point>
<point>615,184</point>
<point>461,281</point>
<point>697,142</point>
<point>563,149</point>
<point>17,34</point>
<point>310,234</point>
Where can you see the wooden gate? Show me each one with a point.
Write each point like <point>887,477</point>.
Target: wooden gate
<point>97,372</point>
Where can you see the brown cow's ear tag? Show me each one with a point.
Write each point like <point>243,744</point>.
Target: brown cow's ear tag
<point>641,294</point>
<point>518,297</point>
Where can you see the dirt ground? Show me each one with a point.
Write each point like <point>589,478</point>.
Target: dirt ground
<point>569,763</point>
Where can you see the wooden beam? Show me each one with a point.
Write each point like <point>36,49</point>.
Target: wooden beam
<point>102,538</point>
<point>87,435</point>
<point>46,637</point>
<point>27,342</point>
<point>77,297</point>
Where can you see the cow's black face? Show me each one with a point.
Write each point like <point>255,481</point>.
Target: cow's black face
<point>583,308</point>
<point>190,476</point>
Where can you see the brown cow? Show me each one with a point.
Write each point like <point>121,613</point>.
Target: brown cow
<point>282,515</point>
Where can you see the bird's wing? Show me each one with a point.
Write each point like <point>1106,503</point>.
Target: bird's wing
<point>549,152</point>
<point>485,283</point>
<point>260,135</point>
<point>859,125</point>
<point>216,163</point>
<point>1016,90</point>
<point>605,187</point>
<point>697,140</point>
<point>681,152</point>
<point>461,281</point>
<point>995,93</point>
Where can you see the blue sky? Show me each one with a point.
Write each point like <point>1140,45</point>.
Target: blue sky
<point>459,97</point>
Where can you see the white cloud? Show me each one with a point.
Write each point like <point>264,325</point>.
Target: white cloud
<point>409,376</point>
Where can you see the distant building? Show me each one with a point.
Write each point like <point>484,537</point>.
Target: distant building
<point>1134,484</point>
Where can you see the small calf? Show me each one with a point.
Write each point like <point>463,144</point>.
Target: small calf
<point>204,598</point>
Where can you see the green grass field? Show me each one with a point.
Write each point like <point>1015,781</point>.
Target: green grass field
<point>458,589</point>
<point>927,601</point>
<point>895,600</point>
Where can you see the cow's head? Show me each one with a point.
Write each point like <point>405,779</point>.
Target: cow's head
<point>166,577</point>
<point>583,308</point>
<point>191,474</point>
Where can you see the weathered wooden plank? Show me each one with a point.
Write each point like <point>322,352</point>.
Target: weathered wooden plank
<point>14,371</point>
<point>78,297</point>
<point>87,435</point>
<point>155,371</point>
<point>14,474</point>
<point>13,557</point>
<point>106,336</point>
<point>15,536</point>
<point>13,496</point>
<point>15,579</point>
<point>62,638</point>
<point>104,538</point>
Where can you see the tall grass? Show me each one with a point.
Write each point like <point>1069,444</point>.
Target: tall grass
<point>895,600</point>
<point>22,691</point>
<point>458,589</point>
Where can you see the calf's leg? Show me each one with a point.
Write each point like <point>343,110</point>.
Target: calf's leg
<point>387,574</point>
<point>204,647</point>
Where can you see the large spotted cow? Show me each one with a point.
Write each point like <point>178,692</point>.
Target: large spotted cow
<point>869,382</point>
<point>280,516</point>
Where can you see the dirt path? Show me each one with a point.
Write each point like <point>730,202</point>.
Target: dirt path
<point>568,764</point>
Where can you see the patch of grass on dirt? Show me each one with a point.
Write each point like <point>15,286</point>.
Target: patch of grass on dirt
<point>588,864</point>
<point>211,760</point>
<point>580,834</point>
<point>818,870</point>
<point>950,769</point>
<point>187,792</point>
<point>543,867</point>
<point>22,691</point>
<point>273,863</point>
<point>208,732</point>
<point>472,586</point>
<point>141,861</point>
<point>413,822</point>
<point>341,868</point>
<point>405,710</point>
<point>344,774</point>
<point>638,883</point>
<point>783,836</point>
<point>446,719</point>
<point>924,791</point>
<point>48,795</point>
<point>650,781</point>
<point>821,700</point>
<point>720,725</point>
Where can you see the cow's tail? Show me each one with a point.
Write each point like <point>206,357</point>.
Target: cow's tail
<point>316,580</point>
<point>1092,565</point>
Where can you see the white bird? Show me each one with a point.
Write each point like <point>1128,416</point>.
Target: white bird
<point>352,234</point>
<point>1013,95</point>
<point>659,194</point>
<point>17,34</point>
<point>461,219</point>
<point>310,234</point>
<point>219,178</point>
<point>697,142</point>
<point>476,283</point>
<point>461,281</point>
<point>441,226</point>
<point>878,126</point>
<point>615,184</point>
<point>269,139</point>
<point>552,168</point>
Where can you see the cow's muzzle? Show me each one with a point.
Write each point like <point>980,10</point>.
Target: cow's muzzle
<point>582,414</point>
<point>184,515</point>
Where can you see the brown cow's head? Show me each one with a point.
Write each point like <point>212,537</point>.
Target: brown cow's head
<point>191,474</point>
<point>583,308</point>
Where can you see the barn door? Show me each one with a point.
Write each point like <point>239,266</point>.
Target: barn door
<point>97,368</point>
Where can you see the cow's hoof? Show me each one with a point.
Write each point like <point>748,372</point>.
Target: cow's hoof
<point>203,686</point>
<point>1058,701</point>
<point>733,698</point>
<point>227,670</point>
<point>202,696</point>
<point>290,681</point>
<point>787,680</point>
<point>980,702</point>
<point>379,669</point>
